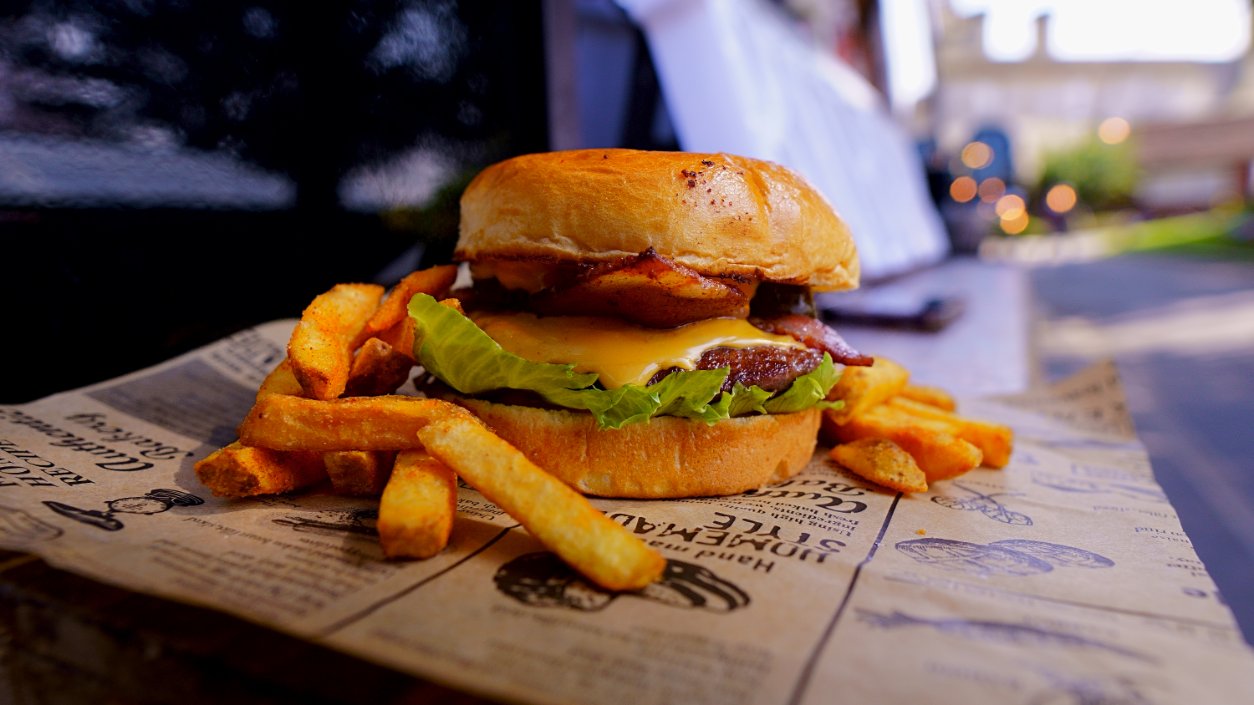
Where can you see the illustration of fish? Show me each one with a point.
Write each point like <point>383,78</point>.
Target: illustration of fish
<point>1082,486</point>
<point>1057,554</point>
<point>1015,557</point>
<point>1001,632</point>
<point>1070,690</point>
<point>974,558</point>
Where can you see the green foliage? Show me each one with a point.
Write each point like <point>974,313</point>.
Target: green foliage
<point>1104,176</point>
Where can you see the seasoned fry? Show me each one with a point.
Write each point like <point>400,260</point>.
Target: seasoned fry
<point>329,411</point>
<point>418,506</point>
<point>435,281</point>
<point>322,344</point>
<point>400,337</point>
<point>882,462</point>
<point>388,422</point>
<point>940,454</point>
<point>358,473</point>
<point>378,368</point>
<point>240,471</point>
<point>995,441</point>
<point>558,516</point>
<point>281,380</point>
<point>863,387</point>
<point>933,396</point>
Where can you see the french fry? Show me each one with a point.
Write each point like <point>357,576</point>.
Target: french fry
<point>883,462</point>
<point>322,344</point>
<point>995,441</point>
<point>559,517</point>
<point>389,422</point>
<point>281,380</point>
<point>236,470</point>
<point>418,506</point>
<point>329,411</point>
<point>400,337</point>
<point>932,396</point>
<point>378,368</point>
<point>435,281</point>
<point>940,454</point>
<point>358,473</point>
<point>863,387</point>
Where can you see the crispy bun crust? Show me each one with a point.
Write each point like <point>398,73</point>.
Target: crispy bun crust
<point>667,457</point>
<point>715,213</point>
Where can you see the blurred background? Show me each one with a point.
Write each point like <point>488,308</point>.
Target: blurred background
<point>171,172</point>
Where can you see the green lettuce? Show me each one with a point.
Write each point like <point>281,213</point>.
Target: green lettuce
<point>454,349</point>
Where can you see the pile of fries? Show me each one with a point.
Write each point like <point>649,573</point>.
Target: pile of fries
<point>903,436</point>
<point>330,413</point>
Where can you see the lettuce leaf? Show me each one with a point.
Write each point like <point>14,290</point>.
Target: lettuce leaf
<point>451,347</point>
<point>454,349</point>
<point>807,390</point>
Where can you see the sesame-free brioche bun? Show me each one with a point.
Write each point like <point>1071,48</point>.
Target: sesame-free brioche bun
<point>714,213</point>
<point>667,457</point>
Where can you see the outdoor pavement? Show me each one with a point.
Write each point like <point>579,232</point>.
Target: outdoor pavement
<point>1181,331</point>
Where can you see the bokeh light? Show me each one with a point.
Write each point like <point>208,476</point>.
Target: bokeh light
<point>991,189</point>
<point>1113,130</point>
<point>1016,224</point>
<point>1060,198</point>
<point>963,189</point>
<point>1010,206</point>
<point>976,155</point>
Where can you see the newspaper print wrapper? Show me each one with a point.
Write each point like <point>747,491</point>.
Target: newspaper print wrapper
<point>1065,577</point>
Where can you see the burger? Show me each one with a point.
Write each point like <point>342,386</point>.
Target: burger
<point>641,323</point>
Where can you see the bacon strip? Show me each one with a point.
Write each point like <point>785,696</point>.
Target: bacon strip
<point>648,289</point>
<point>813,333</point>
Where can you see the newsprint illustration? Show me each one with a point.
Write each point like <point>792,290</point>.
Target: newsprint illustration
<point>1063,578</point>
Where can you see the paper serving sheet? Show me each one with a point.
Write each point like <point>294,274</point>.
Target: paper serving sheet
<point>1064,578</point>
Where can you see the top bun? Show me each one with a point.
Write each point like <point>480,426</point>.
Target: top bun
<point>715,213</point>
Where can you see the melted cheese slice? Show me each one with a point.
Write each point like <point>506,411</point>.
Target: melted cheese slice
<point>619,352</point>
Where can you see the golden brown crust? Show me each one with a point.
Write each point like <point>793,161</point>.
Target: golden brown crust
<point>715,213</point>
<point>665,458</point>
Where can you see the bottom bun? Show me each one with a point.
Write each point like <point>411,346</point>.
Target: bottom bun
<point>666,457</point>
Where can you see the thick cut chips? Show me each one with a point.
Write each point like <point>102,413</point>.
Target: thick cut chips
<point>940,454</point>
<point>882,462</point>
<point>322,344</point>
<point>864,387</point>
<point>281,380</point>
<point>358,473</point>
<point>995,441</point>
<point>389,422</point>
<point>933,396</point>
<point>401,337</point>
<point>558,516</point>
<point>241,471</point>
<point>435,281</point>
<point>378,369</point>
<point>418,506</point>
